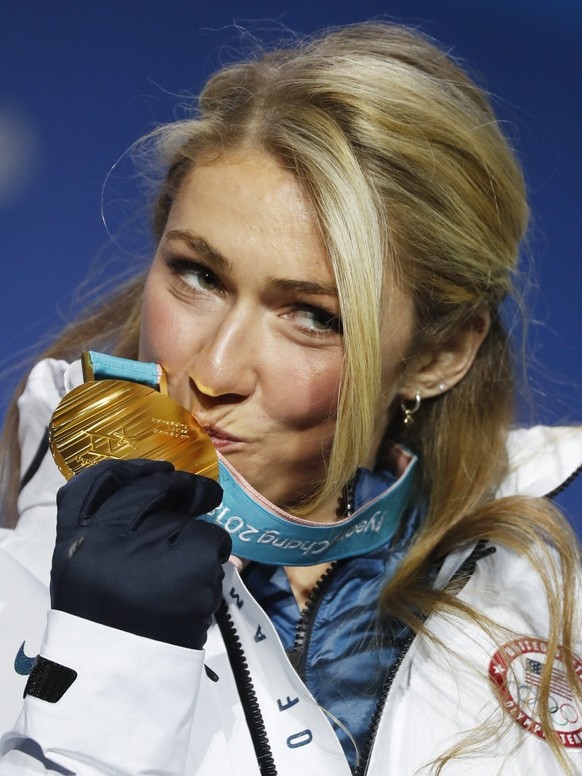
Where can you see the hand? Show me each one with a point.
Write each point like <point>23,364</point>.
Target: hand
<point>131,555</point>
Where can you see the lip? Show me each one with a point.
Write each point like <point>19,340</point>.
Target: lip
<point>220,438</point>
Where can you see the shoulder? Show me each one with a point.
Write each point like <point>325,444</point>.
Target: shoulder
<point>504,587</point>
<point>507,588</point>
<point>541,459</point>
<point>47,383</point>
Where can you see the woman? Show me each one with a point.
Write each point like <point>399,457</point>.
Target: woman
<point>337,230</point>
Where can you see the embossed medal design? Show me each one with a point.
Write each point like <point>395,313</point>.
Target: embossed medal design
<point>108,418</point>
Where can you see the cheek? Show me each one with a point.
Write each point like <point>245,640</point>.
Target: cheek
<point>162,327</point>
<point>154,321</point>
<point>307,397</point>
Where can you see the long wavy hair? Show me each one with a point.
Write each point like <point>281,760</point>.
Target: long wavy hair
<point>412,180</point>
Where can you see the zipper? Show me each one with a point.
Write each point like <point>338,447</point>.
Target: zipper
<point>457,582</point>
<point>246,691</point>
<point>298,653</point>
<point>364,759</point>
<point>556,491</point>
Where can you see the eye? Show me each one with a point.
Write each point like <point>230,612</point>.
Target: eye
<point>316,320</point>
<point>196,276</point>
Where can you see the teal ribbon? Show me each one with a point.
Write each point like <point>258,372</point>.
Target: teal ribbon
<point>262,532</point>
<point>114,368</point>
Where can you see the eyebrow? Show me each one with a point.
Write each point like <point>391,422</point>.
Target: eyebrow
<point>307,287</point>
<point>287,285</point>
<point>197,243</point>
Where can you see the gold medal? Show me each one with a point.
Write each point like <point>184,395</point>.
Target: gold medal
<point>119,419</point>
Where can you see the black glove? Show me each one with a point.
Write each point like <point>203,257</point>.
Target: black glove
<point>131,555</point>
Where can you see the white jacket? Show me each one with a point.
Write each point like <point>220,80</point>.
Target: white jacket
<point>139,706</point>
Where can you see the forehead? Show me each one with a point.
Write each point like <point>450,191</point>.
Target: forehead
<point>250,207</point>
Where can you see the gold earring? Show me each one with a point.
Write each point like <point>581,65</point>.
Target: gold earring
<point>410,410</point>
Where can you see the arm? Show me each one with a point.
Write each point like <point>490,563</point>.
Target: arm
<point>122,656</point>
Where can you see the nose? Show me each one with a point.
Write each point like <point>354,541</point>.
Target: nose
<point>225,367</point>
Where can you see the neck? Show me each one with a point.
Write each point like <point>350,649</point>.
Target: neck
<point>302,580</point>
<point>329,512</point>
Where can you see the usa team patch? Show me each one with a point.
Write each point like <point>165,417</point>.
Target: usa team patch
<point>516,670</point>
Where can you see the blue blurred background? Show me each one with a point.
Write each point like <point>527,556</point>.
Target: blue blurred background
<point>80,81</point>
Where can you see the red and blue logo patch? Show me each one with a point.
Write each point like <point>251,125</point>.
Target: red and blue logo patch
<point>516,670</point>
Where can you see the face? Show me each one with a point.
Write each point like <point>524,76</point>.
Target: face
<point>240,308</point>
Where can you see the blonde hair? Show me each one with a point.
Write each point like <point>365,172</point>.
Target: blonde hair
<point>414,183</point>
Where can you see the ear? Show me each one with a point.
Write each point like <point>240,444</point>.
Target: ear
<point>434,372</point>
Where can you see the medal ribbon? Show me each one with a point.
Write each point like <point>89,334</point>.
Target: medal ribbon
<point>262,532</point>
